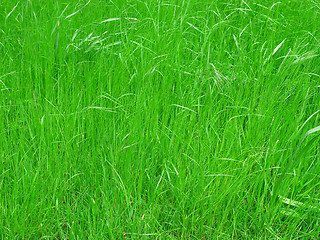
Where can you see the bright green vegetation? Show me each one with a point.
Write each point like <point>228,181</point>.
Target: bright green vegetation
<point>159,119</point>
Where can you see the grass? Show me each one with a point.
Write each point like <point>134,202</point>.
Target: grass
<point>159,119</point>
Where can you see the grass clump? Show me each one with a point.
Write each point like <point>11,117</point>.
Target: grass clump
<point>159,120</point>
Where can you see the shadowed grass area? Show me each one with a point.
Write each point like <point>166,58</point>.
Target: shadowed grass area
<point>159,119</point>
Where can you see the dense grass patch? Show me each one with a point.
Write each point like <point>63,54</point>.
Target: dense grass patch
<point>159,119</point>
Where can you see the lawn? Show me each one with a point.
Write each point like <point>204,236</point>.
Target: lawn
<point>156,119</point>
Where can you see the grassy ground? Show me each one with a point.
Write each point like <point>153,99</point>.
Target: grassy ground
<point>159,119</point>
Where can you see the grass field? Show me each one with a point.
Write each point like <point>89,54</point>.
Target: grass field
<point>155,119</point>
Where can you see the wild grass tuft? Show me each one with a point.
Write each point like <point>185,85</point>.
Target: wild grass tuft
<point>159,119</point>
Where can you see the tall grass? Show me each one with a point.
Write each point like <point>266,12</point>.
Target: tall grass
<point>159,119</point>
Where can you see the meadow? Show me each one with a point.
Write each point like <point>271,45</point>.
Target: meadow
<point>158,119</point>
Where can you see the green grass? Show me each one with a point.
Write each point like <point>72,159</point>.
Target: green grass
<point>159,119</point>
